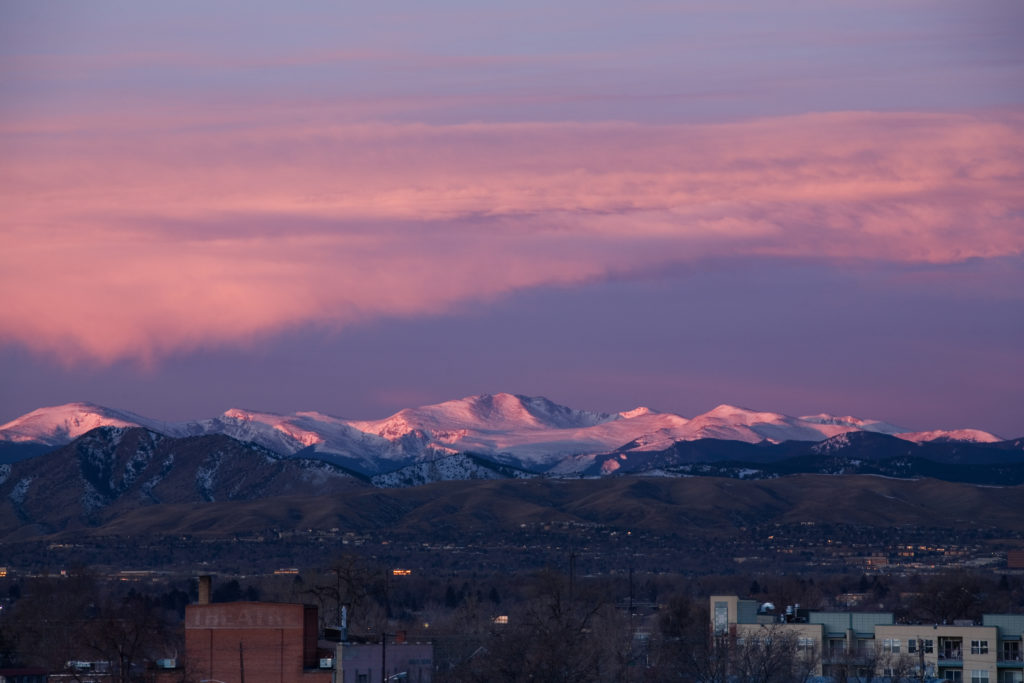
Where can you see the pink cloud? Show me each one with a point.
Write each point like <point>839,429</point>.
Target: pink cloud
<point>152,238</point>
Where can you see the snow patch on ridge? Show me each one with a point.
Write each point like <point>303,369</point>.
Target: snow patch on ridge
<point>854,423</point>
<point>20,490</point>
<point>968,435</point>
<point>639,411</point>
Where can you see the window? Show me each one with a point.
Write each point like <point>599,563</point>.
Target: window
<point>979,647</point>
<point>953,675</point>
<point>721,618</point>
<point>979,675</point>
<point>805,643</point>
<point>891,645</point>
<point>918,644</point>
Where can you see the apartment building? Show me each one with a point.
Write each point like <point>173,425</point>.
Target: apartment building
<point>871,642</point>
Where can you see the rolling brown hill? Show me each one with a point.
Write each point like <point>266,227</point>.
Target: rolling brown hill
<point>699,506</point>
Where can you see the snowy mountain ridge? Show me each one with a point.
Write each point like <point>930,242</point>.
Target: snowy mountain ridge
<point>533,432</point>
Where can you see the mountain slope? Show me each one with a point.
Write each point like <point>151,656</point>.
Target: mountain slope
<point>112,470</point>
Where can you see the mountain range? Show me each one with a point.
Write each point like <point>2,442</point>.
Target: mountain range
<point>81,466</point>
<point>530,433</point>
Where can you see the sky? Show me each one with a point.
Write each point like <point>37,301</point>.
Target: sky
<point>796,206</point>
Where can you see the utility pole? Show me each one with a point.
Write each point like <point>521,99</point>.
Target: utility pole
<point>572,574</point>
<point>383,657</point>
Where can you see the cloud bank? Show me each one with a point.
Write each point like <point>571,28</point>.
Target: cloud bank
<point>154,238</point>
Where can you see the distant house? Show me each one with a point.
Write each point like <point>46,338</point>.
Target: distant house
<point>361,662</point>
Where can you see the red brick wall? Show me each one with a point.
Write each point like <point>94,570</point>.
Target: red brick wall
<point>1015,559</point>
<point>273,638</point>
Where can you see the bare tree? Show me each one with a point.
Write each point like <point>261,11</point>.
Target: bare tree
<point>560,635</point>
<point>769,655</point>
<point>685,649</point>
<point>945,597</point>
<point>70,619</point>
<point>130,635</point>
<point>349,582</point>
<point>43,626</point>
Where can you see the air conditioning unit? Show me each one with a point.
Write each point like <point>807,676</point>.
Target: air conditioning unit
<point>326,663</point>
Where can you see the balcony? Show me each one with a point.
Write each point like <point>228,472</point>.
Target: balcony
<point>1010,656</point>
<point>950,651</point>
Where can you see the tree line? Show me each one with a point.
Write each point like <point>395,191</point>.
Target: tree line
<point>550,625</point>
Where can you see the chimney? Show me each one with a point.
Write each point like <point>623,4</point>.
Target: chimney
<point>204,589</point>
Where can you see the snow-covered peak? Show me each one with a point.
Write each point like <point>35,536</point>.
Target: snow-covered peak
<point>487,412</point>
<point>738,415</point>
<point>854,423</point>
<point>742,424</point>
<point>57,425</point>
<point>968,435</point>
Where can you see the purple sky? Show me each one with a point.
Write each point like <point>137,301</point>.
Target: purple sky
<point>798,207</point>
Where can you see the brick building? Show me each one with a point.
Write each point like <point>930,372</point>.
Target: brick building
<point>258,642</point>
<point>1015,559</point>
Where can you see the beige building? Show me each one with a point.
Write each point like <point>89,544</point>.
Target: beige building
<point>846,644</point>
